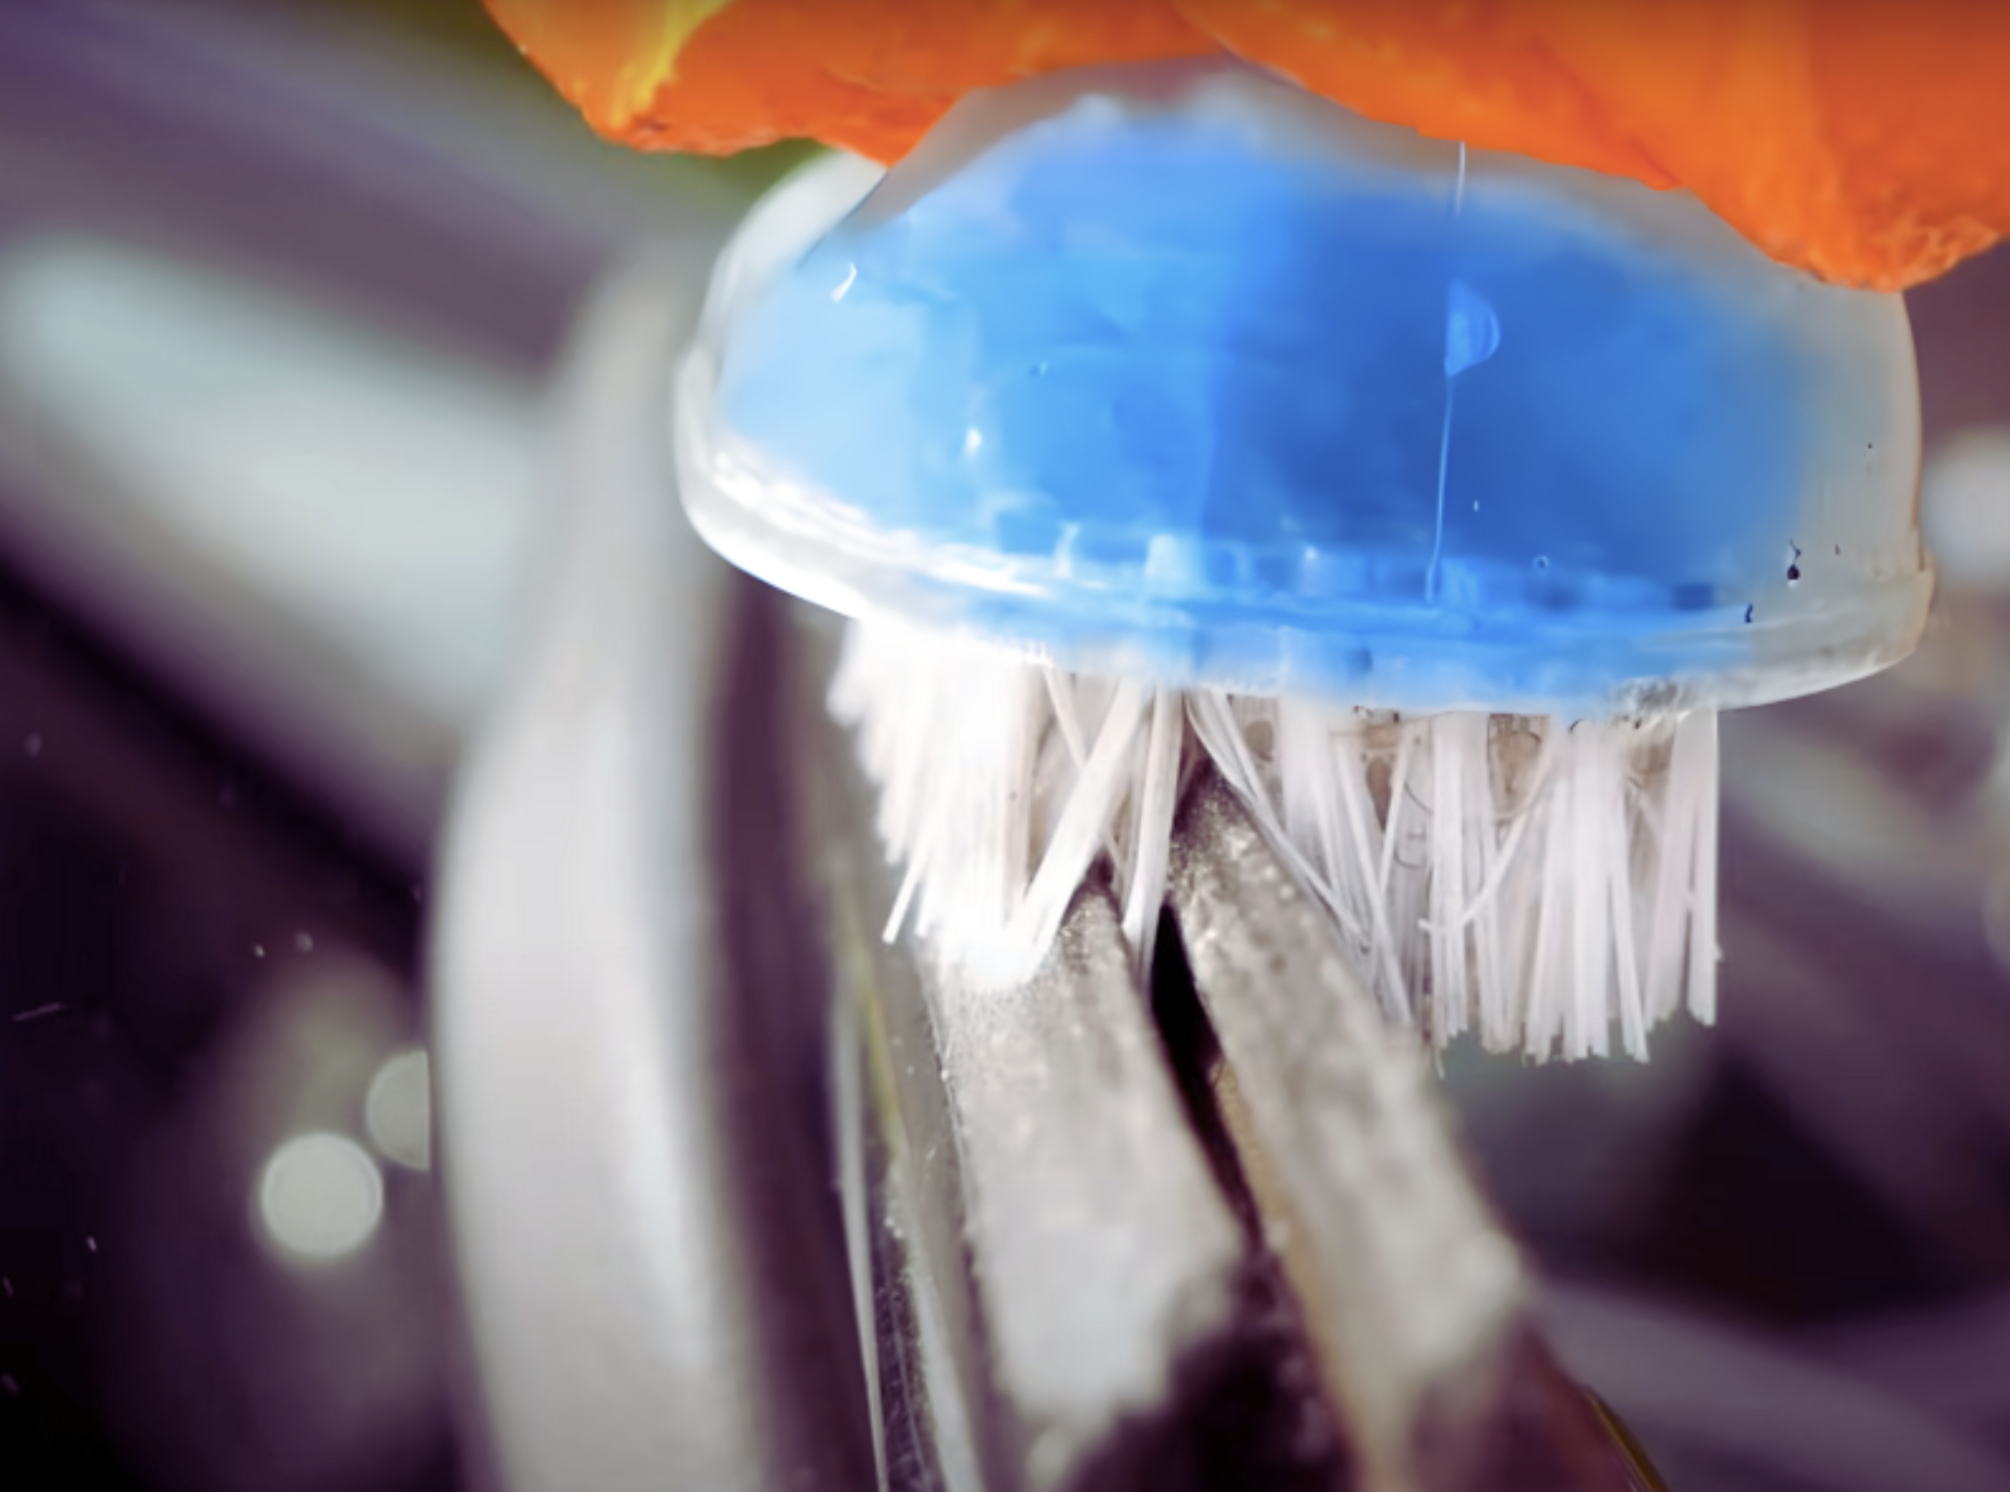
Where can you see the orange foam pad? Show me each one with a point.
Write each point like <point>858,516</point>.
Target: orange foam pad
<point>1859,139</point>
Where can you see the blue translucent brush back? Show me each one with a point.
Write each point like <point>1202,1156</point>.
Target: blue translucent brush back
<point>1238,412</point>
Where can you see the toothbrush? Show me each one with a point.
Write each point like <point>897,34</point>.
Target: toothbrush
<point>1446,496</point>
<point>1448,557</point>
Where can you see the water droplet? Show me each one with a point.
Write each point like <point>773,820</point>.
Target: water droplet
<point>1472,330</point>
<point>1542,562</point>
<point>303,942</point>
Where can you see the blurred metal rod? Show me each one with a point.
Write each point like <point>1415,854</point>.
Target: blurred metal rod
<point>1415,1297</point>
<point>650,1251</point>
<point>1059,1282</point>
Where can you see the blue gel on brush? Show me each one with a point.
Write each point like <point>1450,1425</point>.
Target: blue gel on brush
<point>1146,389</point>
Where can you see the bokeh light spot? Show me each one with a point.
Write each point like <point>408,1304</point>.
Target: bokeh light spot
<point>320,1196</point>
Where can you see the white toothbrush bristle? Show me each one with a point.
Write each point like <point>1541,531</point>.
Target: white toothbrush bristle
<point>1540,881</point>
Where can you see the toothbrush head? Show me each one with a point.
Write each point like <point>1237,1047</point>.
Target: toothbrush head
<point>1442,498</point>
<point>1182,374</point>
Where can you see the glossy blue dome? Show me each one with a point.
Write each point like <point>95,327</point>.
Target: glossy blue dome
<point>1233,407</point>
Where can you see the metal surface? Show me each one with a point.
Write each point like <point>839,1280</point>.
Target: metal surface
<point>651,1253</point>
<point>1096,1251</point>
<point>1058,1284</point>
<point>1416,1296</point>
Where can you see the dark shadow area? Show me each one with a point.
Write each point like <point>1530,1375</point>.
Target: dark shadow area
<point>194,962</point>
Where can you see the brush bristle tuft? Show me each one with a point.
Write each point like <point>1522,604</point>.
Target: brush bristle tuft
<point>1539,881</point>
